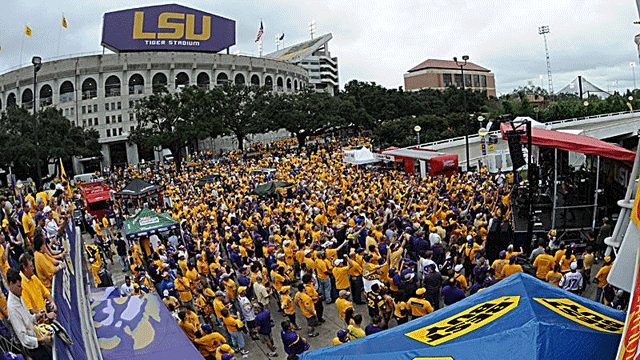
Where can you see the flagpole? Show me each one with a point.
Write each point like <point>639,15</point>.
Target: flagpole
<point>59,35</point>
<point>21,48</point>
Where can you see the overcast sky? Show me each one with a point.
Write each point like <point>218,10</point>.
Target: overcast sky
<point>379,40</point>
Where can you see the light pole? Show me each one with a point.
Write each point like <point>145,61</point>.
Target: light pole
<point>37,64</point>
<point>417,129</point>
<point>464,101</point>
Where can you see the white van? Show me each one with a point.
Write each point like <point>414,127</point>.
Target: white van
<point>87,178</point>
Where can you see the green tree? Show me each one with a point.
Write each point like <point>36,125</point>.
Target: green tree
<point>174,120</point>
<point>241,110</point>
<point>58,138</point>
<point>308,113</point>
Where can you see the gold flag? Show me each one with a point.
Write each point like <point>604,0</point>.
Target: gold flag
<point>27,30</point>
<point>64,22</point>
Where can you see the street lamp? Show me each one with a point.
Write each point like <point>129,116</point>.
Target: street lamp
<point>464,101</point>
<point>417,129</point>
<point>37,64</point>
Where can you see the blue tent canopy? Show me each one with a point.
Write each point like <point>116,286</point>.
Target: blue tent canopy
<point>520,318</point>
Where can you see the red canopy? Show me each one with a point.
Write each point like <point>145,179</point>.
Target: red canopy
<point>576,143</point>
<point>95,191</point>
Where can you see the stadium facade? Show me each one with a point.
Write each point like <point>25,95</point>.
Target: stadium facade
<point>99,91</point>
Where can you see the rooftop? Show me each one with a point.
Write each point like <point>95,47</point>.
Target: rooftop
<point>446,64</point>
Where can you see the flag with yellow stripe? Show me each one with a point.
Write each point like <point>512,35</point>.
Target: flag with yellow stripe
<point>628,349</point>
<point>27,30</point>
<point>64,22</point>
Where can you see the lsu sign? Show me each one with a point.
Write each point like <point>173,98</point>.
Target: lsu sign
<point>167,28</point>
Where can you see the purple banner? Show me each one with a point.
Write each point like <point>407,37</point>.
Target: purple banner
<point>65,295</point>
<point>167,28</point>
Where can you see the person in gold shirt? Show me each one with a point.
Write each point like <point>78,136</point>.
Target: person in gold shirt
<point>418,305</point>
<point>209,342</point>
<point>343,304</point>
<point>511,268</point>
<point>186,326</point>
<point>498,265</point>
<point>553,277</point>
<point>34,293</point>
<point>341,338</point>
<point>287,306</point>
<point>183,286</point>
<point>305,303</point>
<point>601,276</point>
<point>46,266</point>
<point>543,264</point>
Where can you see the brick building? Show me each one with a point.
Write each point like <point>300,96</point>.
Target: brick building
<point>439,74</point>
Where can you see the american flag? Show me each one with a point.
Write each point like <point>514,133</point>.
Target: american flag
<point>260,32</point>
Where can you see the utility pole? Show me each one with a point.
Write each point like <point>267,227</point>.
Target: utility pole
<point>544,30</point>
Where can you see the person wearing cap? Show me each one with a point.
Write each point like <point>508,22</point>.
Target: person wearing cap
<point>248,311</point>
<point>168,283</point>
<point>305,303</point>
<point>209,342</point>
<point>511,268</point>
<point>459,277</point>
<point>498,265</point>
<point>224,352</point>
<point>293,343</point>
<point>287,306</point>
<point>343,304</point>
<point>263,324</point>
<point>418,305</point>
<point>167,299</point>
<point>342,336</point>
<point>572,281</point>
<point>601,277</point>
<point>543,263</point>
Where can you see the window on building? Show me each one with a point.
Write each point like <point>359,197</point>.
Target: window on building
<point>89,109</point>
<point>84,110</point>
<point>106,119</point>
<point>72,111</point>
<point>95,122</point>
<point>467,80</point>
<point>458,79</point>
<point>108,132</point>
<point>446,79</point>
<point>119,131</point>
<point>106,106</point>
<point>130,116</point>
<point>131,128</point>
<point>119,118</point>
<point>484,81</point>
<point>95,108</point>
<point>476,80</point>
<point>119,105</point>
<point>113,119</point>
<point>84,122</point>
<point>66,112</point>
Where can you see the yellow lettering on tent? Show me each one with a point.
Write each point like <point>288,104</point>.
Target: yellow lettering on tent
<point>434,358</point>
<point>465,321</point>
<point>583,315</point>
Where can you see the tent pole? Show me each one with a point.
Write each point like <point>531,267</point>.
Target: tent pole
<point>595,201</point>
<point>555,187</point>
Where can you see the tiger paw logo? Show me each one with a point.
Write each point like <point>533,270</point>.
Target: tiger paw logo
<point>465,321</point>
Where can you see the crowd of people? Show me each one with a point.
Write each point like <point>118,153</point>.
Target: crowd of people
<point>402,245</point>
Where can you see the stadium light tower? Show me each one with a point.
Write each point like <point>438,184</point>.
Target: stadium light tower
<point>312,28</point>
<point>544,30</point>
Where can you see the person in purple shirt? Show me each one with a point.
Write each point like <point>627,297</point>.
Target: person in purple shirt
<point>374,327</point>
<point>293,343</point>
<point>236,259</point>
<point>452,293</point>
<point>263,325</point>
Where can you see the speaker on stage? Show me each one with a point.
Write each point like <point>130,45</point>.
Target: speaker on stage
<point>515,150</point>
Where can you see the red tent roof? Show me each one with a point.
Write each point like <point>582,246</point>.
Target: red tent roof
<point>95,191</point>
<point>576,143</point>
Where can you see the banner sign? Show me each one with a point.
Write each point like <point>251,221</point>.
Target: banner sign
<point>65,296</point>
<point>167,28</point>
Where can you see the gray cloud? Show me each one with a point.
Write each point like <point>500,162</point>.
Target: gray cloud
<point>379,40</point>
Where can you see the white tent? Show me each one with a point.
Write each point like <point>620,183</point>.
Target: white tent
<point>534,123</point>
<point>358,155</point>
